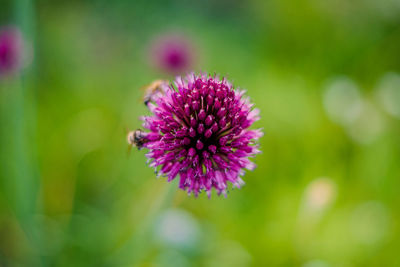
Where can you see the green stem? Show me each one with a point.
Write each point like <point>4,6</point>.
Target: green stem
<point>136,248</point>
<point>21,175</point>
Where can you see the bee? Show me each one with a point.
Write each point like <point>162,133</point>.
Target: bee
<point>152,89</point>
<point>136,138</point>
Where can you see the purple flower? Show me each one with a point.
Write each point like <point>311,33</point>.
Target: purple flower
<point>10,50</point>
<point>172,53</point>
<point>199,130</point>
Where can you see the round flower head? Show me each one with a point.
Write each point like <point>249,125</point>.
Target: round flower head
<point>10,50</point>
<point>199,130</point>
<point>172,53</point>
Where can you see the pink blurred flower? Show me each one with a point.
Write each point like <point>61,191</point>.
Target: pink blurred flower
<point>11,50</point>
<point>172,53</point>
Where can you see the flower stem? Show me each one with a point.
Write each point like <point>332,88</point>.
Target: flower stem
<point>136,248</point>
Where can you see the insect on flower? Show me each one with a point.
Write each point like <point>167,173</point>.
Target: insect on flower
<point>154,90</point>
<point>136,138</point>
<point>199,130</point>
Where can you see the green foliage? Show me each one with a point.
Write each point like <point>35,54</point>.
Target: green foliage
<point>326,189</point>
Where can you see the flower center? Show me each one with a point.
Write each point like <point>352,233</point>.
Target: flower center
<point>208,124</point>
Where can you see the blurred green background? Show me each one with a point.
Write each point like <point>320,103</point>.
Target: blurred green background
<point>325,75</point>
